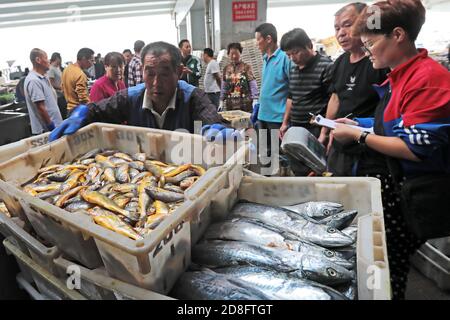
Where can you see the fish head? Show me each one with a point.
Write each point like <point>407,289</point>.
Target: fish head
<point>326,272</point>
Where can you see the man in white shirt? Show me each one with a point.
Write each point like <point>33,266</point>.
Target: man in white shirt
<point>212,81</point>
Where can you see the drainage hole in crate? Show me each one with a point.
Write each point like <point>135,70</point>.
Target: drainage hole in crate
<point>172,250</point>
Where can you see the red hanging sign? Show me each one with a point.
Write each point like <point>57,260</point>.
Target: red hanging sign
<point>245,11</point>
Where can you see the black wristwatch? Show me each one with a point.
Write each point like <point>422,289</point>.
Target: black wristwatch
<point>362,137</point>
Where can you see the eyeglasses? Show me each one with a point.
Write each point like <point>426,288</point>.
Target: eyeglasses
<point>366,48</point>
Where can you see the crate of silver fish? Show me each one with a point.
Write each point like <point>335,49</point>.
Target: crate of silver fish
<point>289,238</point>
<point>118,197</point>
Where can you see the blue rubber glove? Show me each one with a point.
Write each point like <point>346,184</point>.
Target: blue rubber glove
<point>71,124</point>
<point>51,126</point>
<point>254,116</point>
<point>219,133</point>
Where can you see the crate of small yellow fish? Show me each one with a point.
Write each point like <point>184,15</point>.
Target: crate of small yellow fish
<point>116,196</point>
<point>238,119</point>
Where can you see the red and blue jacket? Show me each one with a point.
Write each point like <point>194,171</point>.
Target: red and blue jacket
<point>418,112</point>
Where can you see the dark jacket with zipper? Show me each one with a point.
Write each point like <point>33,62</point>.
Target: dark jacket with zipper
<point>125,107</point>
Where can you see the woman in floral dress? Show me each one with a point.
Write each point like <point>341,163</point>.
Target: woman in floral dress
<point>239,89</point>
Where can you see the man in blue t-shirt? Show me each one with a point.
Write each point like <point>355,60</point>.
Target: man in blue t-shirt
<point>275,82</point>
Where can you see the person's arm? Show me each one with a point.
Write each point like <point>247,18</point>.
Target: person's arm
<point>197,71</point>
<point>204,110</point>
<point>332,109</point>
<point>81,89</point>
<point>96,93</point>
<point>287,115</point>
<point>116,108</point>
<point>390,146</point>
<point>42,111</point>
<point>218,79</point>
<point>54,85</point>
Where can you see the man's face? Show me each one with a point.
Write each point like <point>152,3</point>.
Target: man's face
<point>86,63</point>
<point>127,56</point>
<point>205,57</point>
<point>186,49</point>
<point>342,27</point>
<point>300,56</point>
<point>160,78</point>
<point>263,43</point>
<point>43,61</point>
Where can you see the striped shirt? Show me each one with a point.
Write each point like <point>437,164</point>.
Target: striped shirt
<point>135,76</point>
<point>308,89</point>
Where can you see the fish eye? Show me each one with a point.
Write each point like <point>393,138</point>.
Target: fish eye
<point>329,253</point>
<point>331,272</point>
<point>331,230</point>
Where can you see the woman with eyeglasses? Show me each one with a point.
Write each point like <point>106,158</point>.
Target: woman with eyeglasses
<point>111,82</point>
<point>411,126</point>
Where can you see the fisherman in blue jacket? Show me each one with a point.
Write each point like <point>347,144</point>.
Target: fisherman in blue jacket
<point>162,101</point>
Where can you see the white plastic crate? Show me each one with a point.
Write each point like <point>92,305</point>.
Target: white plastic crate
<point>433,264</point>
<point>9,151</point>
<point>362,194</point>
<point>58,288</point>
<point>153,263</point>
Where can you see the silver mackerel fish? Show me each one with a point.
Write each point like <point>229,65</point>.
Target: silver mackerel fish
<point>219,253</point>
<point>254,231</point>
<point>282,285</point>
<point>288,221</point>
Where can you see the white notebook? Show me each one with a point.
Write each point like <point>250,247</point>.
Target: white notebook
<point>324,122</point>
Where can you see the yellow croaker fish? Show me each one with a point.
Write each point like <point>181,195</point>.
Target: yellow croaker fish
<point>143,197</point>
<point>159,163</point>
<point>111,221</point>
<point>46,187</point>
<point>130,189</point>
<point>123,156</point>
<point>164,195</point>
<point>72,181</point>
<point>121,201</point>
<point>153,168</point>
<point>186,183</point>
<point>178,170</point>
<point>161,207</point>
<point>4,209</point>
<point>122,175</point>
<point>52,168</point>
<point>103,161</point>
<point>67,195</point>
<point>124,188</point>
<point>109,175</point>
<point>199,171</point>
<point>103,201</point>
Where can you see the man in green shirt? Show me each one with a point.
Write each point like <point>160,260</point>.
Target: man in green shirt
<point>192,65</point>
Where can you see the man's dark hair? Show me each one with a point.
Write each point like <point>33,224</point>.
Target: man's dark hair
<point>138,45</point>
<point>55,55</point>
<point>85,53</point>
<point>296,38</point>
<point>180,44</point>
<point>35,53</point>
<point>209,52</point>
<point>358,6</point>
<point>234,45</point>
<point>127,51</point>
<point>159,48</point>
<point>267,29</point>
<point>114,58</point>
